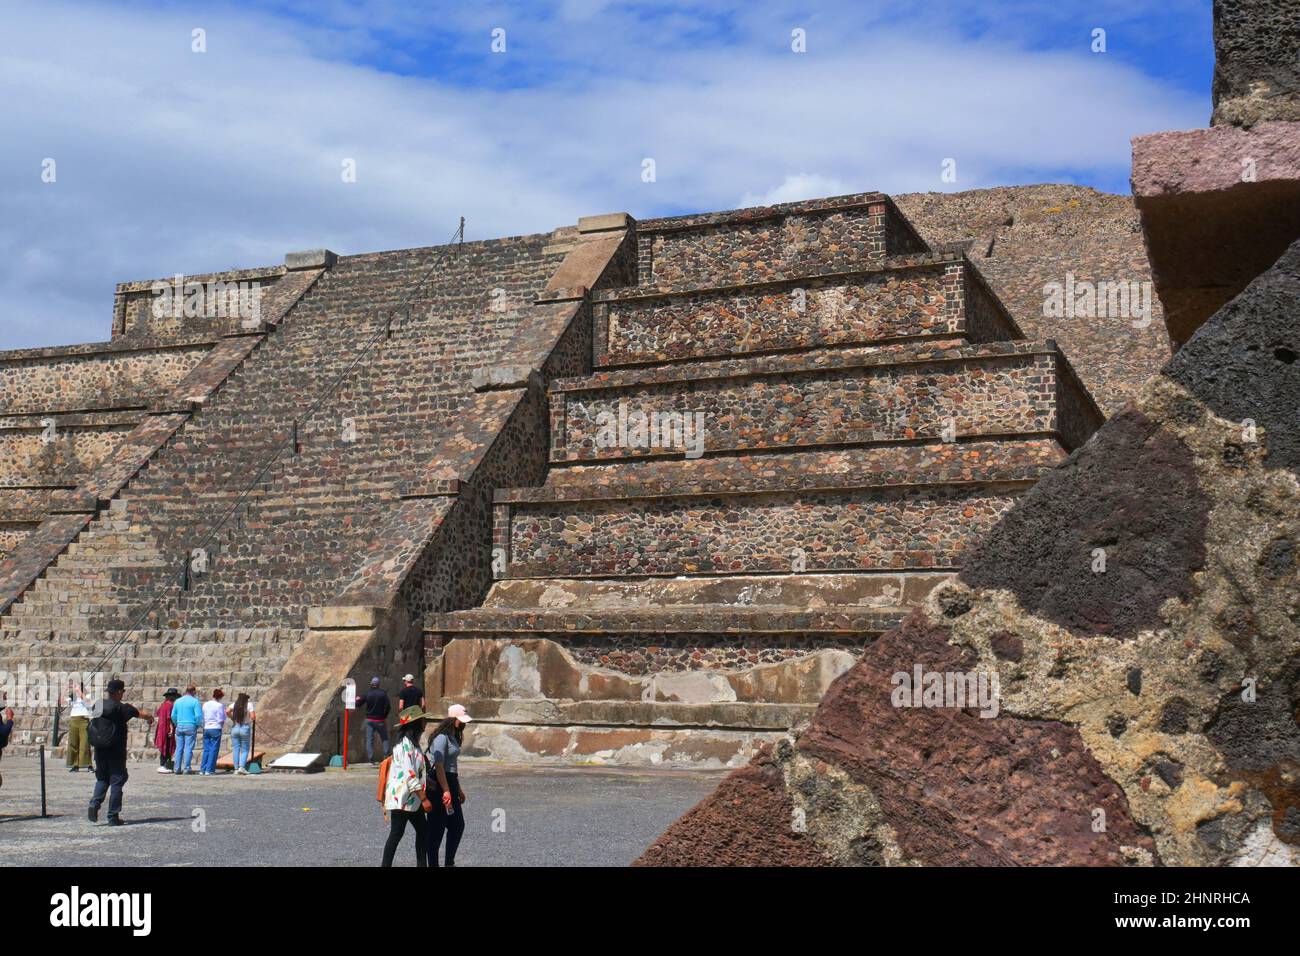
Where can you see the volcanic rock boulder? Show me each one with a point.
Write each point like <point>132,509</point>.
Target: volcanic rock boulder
<point>1256,61</point>
<point>1113,679</point>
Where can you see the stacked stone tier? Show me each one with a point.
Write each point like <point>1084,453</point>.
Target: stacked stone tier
<point>903,298</point>
<point>825,397</point>
<point>797,423</point>
<point>916,461</point>
<point>740,652</point>
<point>867,528</point>
<point>771,242</point>
<point>797,391</point>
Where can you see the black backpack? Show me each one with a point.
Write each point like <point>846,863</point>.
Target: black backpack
<point>102,732</point>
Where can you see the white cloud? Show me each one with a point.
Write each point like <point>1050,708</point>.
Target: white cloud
<point>796,187</point>
<point>174,161</point>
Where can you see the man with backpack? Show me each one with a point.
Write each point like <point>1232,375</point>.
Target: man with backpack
<point>108,730</point>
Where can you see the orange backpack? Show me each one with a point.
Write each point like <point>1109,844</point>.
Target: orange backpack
<point>384,768</point>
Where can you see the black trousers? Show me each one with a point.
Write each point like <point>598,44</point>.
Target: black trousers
<point>440,822</point>
<point>110,778</point>
<point>397,820</point>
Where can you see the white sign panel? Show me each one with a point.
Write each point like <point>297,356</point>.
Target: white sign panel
<point>294,762</point>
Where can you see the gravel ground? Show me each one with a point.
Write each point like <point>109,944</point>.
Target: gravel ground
<point>515,816</point>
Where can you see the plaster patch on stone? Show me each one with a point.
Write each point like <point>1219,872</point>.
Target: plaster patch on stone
<point>554,596</point>
<point>1263,848</point>
<point>841,816</point>
<point>626,747</point>
<point>518,669</point>
<point>690,687</point>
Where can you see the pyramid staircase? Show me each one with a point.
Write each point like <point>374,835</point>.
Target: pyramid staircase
<point>285,486</point>
<point>866,409</point>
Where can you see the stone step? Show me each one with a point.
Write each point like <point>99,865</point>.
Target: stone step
<point>95,570</point>
<point>771,243</point>
<point>879,590</point>
<point>149,644</point>
<point>541,716</point>
<point>141,649</point>
<point>145,654</point>
<point>649,622</point>
<point>778,470</point>
<point>60,625</point>
<point>869,529</point>
<point>36,618</point>
<point>852,396</point>
<point>904,298</point>
<point>122,555</point>
<point>699,679</point>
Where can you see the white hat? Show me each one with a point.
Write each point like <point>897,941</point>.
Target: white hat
<point>458,711</point>
<point>409,677</point>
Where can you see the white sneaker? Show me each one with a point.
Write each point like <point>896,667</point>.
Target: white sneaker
<point>163,770</point>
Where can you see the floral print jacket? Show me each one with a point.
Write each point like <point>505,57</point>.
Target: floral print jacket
<point>405,777</point>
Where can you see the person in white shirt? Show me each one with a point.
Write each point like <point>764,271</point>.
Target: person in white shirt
<point>77,749</point>
<point>214,721</point>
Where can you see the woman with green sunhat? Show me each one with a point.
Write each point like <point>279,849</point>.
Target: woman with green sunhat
<point>404,800</point>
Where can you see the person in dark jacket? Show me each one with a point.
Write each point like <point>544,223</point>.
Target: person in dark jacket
<point>377,710</point>
<point>110,761</point>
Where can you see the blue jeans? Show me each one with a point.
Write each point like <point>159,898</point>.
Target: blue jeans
<point>239,735</point>
<point>211,744</point>
<point>184,748</point>
<point>375,728</point>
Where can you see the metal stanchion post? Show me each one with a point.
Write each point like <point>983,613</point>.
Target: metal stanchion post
<point>44,813</point>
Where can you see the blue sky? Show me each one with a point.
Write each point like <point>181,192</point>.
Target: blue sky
<point>170,160</point>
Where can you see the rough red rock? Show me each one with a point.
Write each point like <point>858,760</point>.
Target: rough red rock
<point>746,822</point>
<point>1173,725</point>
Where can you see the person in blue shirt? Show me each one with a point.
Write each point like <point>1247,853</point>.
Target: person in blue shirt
<point>187,715</point>
<point>444,790</point>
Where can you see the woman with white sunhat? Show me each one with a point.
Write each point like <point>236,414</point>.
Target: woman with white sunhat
<point>444,791</point>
